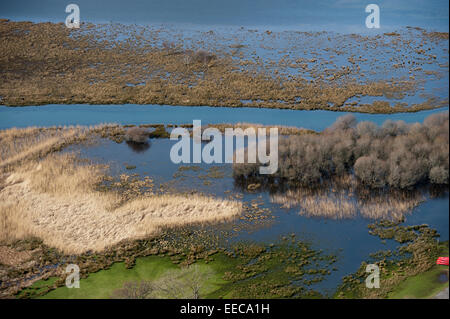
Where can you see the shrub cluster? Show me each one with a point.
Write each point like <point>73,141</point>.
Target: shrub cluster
<point>199,56</point>
<point>136,135</point>
<point>395,154</point>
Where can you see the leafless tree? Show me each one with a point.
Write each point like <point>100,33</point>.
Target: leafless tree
<point>134,290</point>
<point>396,154</point>
<point>183,284</point>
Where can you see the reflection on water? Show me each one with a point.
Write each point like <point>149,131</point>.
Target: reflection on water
<point>443,277</point>
<point>340,204</point>
<point>138,147</point>
<point>350,236</point>
<point>340,198</point>
<point>343,197</point>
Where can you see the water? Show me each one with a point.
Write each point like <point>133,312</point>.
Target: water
<point>75,114</point>
<point>336,15</point>
<point>350,235</point>
<point>348,238</point>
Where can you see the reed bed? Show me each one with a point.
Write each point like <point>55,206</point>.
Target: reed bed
<point>56,199</point>
<point>47,63</point>
<point>282,130</point>
<point>21,144</point>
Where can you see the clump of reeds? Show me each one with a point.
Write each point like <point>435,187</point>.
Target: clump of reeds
<point>21,144</point>
<point>159,132</point>
<point>202,56</point>
<point>57,199</point>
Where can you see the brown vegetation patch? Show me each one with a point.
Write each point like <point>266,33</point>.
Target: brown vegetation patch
<point>395,155</point>
<point>12,257</point>
<point>282,130</point>
<point>56,200</point>
<point>136,135</point>
<point>46,63</point>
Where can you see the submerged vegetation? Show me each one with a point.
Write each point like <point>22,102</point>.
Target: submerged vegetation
<point>286,269</point>
<point>57,208</point>
<point>47,63</point>
<point>416,256</point>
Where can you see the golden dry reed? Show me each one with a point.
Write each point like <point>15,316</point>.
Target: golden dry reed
<point>56,199</point>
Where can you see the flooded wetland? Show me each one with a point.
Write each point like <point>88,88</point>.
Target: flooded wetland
<point>87,174</point>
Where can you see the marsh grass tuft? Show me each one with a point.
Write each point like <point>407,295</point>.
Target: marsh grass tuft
<point>57,199</point>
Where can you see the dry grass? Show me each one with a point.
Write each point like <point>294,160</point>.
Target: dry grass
<point>21,144</point>
<point>282,130</point>
<point>13,257</point>
<point>47,63</point>
<point>56,200</point>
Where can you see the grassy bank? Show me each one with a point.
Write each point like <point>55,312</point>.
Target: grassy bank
<point>103,283</point>
<point>284,270</point>
<point>426,284</point>
<point>409,271</point>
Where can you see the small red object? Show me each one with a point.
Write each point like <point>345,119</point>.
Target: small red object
<point>442,261</point>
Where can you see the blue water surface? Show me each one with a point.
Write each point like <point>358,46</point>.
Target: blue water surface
<point>75,114</point>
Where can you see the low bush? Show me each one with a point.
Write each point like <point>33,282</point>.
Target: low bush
<point>395,154</point>
<point>136,135</point>
<point>159,132</point>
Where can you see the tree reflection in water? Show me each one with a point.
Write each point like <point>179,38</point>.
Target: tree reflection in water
<point>138,147</point>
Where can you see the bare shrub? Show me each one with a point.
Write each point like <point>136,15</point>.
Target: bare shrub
<point>367,128</point>
<point>186,283</point>
<point>371,171</point>
<point>344,122</point>
<point>439,175</point>
<point>392,128</point>
<point>134,290</point>
<point>189,282</point>
<point>396,154</point>
<point>136,135</point>
<point>202,56</point>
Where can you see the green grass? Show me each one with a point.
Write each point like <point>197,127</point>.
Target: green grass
<point>102,283</point>
<point>251,271</point>
<point>424,285</point>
